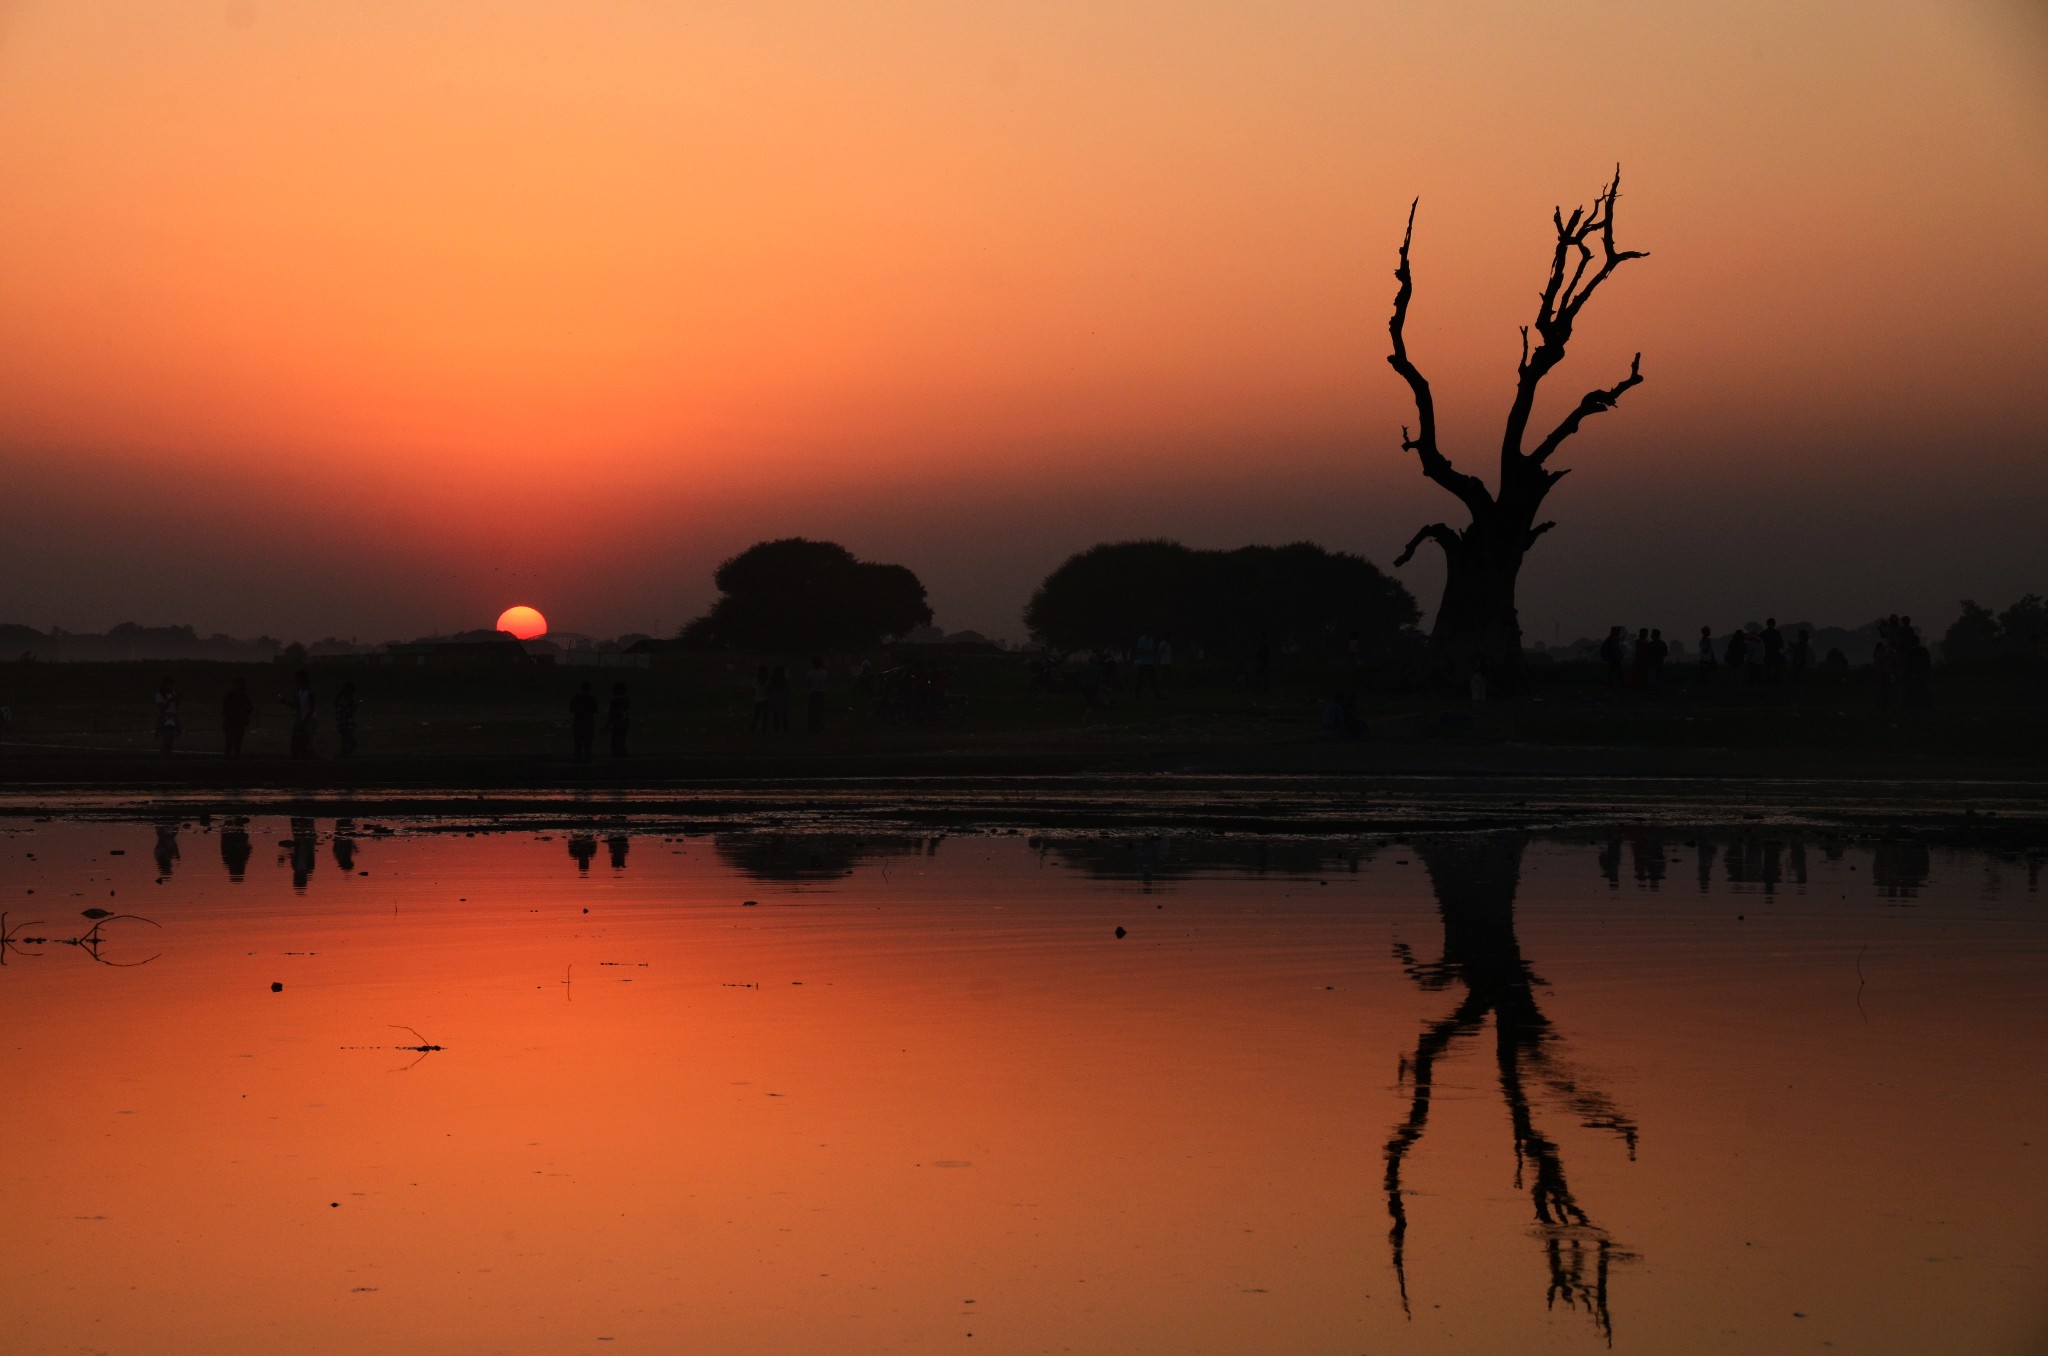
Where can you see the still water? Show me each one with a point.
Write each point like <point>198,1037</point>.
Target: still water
<point>546,1090</point>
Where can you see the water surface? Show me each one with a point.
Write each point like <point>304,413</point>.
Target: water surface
<point>621,1089</point>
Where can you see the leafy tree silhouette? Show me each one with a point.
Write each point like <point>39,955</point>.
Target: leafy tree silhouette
<point>797,594</point>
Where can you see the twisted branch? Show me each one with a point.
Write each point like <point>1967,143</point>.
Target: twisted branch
<point>1591,403</point>
<point>1565,293</point>
<point>1469,489</point>
<point>1440,533</point>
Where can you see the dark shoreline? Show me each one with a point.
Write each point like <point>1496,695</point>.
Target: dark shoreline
<point>1306,790</point>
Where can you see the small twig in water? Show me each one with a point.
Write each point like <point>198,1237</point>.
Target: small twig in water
<point>1860,982</point>
<point>425,1046</point>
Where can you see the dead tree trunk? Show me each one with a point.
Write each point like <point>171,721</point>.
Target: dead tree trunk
<point>1477,630</point>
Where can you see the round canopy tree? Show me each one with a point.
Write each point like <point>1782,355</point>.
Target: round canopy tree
<point>1224,600</point>
<point>797,594</point>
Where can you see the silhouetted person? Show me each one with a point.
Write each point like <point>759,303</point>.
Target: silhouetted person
<point>1659,652</point>
<point>1802,656</point>
<point>778,699</point>
<point>1639,662</point>
<point>816,680</point>
<point>617,845</point>
<point>303,705</point>
<point>1165,671</point>
<point>1916,673</point>
<point>1738,653</point>
<point>1883,667</point>
<point>1148,667</point>
<point>1613,656</point>
<point>234,851</point>
<point>345,720</point>
<point>1708,664</point>
<point>167,725</point>
<point>583,721</point>
<point>1834,671</point>
<point>763,717</point>
<point>583,848</point>
<point>1088,682</point>
<point>1774,652</point>
<point>618,717</point>
<point>235,709</point>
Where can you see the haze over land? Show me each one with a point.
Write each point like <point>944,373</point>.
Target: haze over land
<point>362,319</point>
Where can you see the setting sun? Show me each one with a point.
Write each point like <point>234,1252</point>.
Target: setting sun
<point>523,622</point>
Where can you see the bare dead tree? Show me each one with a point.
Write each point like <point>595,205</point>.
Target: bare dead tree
<point>1476,627</point>
<point>1475,884</point>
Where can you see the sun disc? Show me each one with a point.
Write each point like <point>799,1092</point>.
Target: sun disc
<point>523,622</point>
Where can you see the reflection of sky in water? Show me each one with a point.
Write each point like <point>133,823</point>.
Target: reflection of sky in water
<point>523,1091</point>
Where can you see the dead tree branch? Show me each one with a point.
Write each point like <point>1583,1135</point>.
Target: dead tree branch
<point>1439,533</point>
<point>1565,293</point>
<point>1469,489</point>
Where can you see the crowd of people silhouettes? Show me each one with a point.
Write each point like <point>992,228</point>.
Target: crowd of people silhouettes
<point>917,690</point>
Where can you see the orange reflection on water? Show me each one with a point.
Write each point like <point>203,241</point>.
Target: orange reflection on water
<point>921,1090</point>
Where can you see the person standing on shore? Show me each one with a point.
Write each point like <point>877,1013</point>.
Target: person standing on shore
<point>166,716</point>
<point>1708,664</point>
<point>583,721</point>
<point>345,720</point>
<point>1738,646</point>
<point>778,699</point>
<point>235,709</point>
<point>817,680</point>
<point>303,704</point>
<point>618,716</point>
<point>1774,652</point>
<point>1611,654</point>
<point>1148,667</point>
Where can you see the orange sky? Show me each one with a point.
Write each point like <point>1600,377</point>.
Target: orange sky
<point>562,304</point>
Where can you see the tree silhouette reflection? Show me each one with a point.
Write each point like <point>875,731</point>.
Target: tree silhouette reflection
<point>1475,882</point>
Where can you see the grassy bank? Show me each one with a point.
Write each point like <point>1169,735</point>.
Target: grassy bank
<point>692,717</point>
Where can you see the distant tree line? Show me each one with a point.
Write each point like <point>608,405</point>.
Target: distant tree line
<point>129,642</point>
<point>1222,601</point>
<point>1980,634</point>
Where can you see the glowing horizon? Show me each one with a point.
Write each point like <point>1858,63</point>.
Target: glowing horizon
<point>965,289</point>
